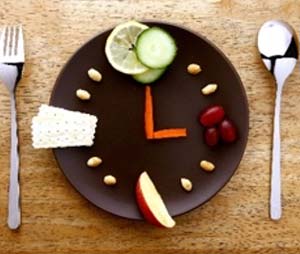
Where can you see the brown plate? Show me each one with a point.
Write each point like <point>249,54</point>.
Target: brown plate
<point>118,102</point>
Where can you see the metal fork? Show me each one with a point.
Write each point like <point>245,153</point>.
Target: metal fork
<point>11,66</point>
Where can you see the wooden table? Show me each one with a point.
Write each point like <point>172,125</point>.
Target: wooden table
<point>56,219</point>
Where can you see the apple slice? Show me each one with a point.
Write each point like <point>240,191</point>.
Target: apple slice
<point>151,203</point>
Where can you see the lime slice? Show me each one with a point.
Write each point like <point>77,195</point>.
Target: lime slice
<point>119,48</point>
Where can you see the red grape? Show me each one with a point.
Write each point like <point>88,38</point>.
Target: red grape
<point>228,131</point>
<point>211,136</point>
<point>212,115</point>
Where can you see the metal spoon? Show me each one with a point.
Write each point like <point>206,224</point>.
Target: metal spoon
<point>278,46</point>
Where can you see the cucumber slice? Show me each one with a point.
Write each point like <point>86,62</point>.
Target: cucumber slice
<point>155,48</point>
<point>149,76</point>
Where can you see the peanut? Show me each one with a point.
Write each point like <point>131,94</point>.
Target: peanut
<point>209,89</point>
<point>186,184</point>
<point>94,75</point>
<point>83,94</point>
<point>94,162</point>
<point>194,69</point>
<point>207,165</point>
<point>109,180</point>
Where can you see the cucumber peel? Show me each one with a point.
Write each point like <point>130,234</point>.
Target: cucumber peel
<point>149,76</point>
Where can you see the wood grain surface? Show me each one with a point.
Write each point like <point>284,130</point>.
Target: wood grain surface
<point>56,219</point>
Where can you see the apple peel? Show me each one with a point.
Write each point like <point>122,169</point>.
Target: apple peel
<point>151,204</point>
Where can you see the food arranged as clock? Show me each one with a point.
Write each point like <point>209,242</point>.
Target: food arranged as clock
<point>147,120</point>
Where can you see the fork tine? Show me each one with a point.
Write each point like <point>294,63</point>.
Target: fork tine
<point>10,41</point>
<point>7,41</point>
<point>2,40</point>
<point>13,40</point>
<point>20,46</point>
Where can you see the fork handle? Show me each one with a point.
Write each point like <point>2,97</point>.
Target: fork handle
<point>14,211</point>
<point>275,199</point>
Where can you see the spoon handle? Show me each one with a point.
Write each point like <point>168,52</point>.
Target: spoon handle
<point>275,199</point>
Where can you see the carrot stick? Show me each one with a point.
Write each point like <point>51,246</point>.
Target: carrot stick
<point>170,133</point>
<point>149,125</point>
<point>149,122</point>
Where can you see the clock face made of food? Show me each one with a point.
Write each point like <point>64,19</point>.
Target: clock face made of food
<point>153,128</point>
